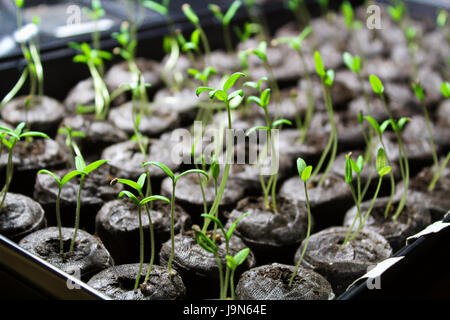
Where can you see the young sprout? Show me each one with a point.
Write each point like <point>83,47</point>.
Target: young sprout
<point>174,179</point>
<point>300,11</point>
<point>350,166</point>
<point>305,173</point>
<point>94,59</point>
<point>296,44</point>
<point>202,76</point>
<point>83,170</point>
<point>397,126</point>
<point>249,29</point>
<point>327,78</point>
<point>14,136</point>
<point>61,182</point>
<point>225,21</point>
<point>95,14</point>
<point>232,101</point>
<point>209,245</point>
<point>445,89</point>
<point>128,46</point>
<point>162,9</point>
<point>442,21</point>
<point>141,201</point>
<point>70,142</point>
<point>257,17</point>
<point>263,102</point>
<point>194,19</point>
<point>349,16</point>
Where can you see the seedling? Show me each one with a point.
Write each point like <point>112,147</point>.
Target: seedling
<point>257,17</point>
<point>70,142</point>
<point>349,16</point>
<point>397,126</point>
<point>141,201</point>
<point>61,182</point>
<point>95,14</point>
<point>357,167</point>
<point>263,102</point>
<point>232,262</point>
<point>194,19</point>
<point>304,172</point>
<point>232,101</point>
<point>225,21</point>
<point>445,89</point>
<point>296,44</point>
<point>442,22</point>
<point>174,179</point>
<point>327,78</point>
<point>162,9</point>
<point>249,29</point>
<point>14,136</point>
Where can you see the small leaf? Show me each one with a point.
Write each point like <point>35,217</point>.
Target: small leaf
<point>265,98</point>
<point>141,180</point>
<point>201,89</point>
<point>374,124</point>
<point>241,256</point>
<point>130,196</point>
<point>43,171</point>
<point>94,166</point>
<point>418,90</point>
<point>329,79</point>
<point>445,89</point>
<point>384,171</point>
<point>205,242</point>
<point>155,6</point>
<point>163,167</point>
<point>232,80</point>
<point>216,221</point>
<point>192,171</point>
<point>231,12</point>
<point>253,129</point>
<point>254,99</point>
<point>153,198</point>
<point>381,159</point>
<point>401,123</point>
<point>34,134</point>
<point>360,162</point>
<point>306,174</point>
<point>385,124</point>
<point>301,165</point>
<point>348,60</point>
<point>219,95</point>
<point>231,263</point>
<point>187,10</point>
<point>235,102</point>
<point>236,93</point>
<point>69,176</point>
<point>130,183</point>
<point>320,69</point>
<point>376,83</point>
<point>281,121</point>
<point>348,170</point>
<point>354,166</point>
<point>79,163</point>
<point>234,225</point>
<point>215,169</point>
<point>18,130</point>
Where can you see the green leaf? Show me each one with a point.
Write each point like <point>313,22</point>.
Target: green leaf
<point>234,225</point>
<point>441,19</point>
<point>418,90</point>
<point>376,83</point>
<point>216,11</point>
<point>141,180</point>
<point>192,171</point>
<point>385,124</point>
<point>231,12</point>
<point>18,130</point>
<point>190,14</point>
<point>384,171</point>
<point>381,159</point>
<point>401,123</point>
<point>219,95</point>
<point>19,3</point>
<point>265,98</point>
<point>329,79</point>
<point>155,6</point>
<point>360,162</point>
<point>253,129</point>
<point>69,176</point>
<point>354,166</point>
<point>215,169</point>
<point>34,134</point>
<point>130,183</point>
<point>301,165</point>
<point>231,263</point>
<point>374,124</point>
<point>320,69</point>
<point>163,167</point>
<point>205,242</point>
<point>79,163</point>
<point>255,100</point>
<point>306,174</point>
<point>44,171</point>
<point>153,198</point>
<point>94,165</point>
<point>348,170</point>
<point>236,93</point>
<point>216,221</point>
<point>241,256</point>
<point>445,89</point>
<point>306,32</point>
<point>232,80</point>
<point>201,89</point>
<point>250,84</point>
<point>281,121</point>
<point>129,195</point>
<point>235,102</point>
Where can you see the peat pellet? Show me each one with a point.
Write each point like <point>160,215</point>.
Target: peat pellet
<point>273,236</point>
<point>95,192</point>
<point>183,102</point>
<point>20,216</point>
<point>342,265</point>
<point>82,94</point>
<point>88,257</point>
<point>117,225</point>
<point>412,219</point>
<point>271,282</point>
<point>118,283</point>
<point>328,201</point>
<point>44,115</point>
<point>197,267</point>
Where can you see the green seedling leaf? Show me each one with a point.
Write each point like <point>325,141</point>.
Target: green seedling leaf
<point>320,69</point>
<point>445,89</point>
<point>219,95</point>
<point>353,63</point>
<point>205,242</point>
<point>329,79</point>
<point>69,176</point>
<point>231,12</point>
<point>216,221</point>
<point>360,162</point>
<point>306,174</point>
<point>281,121</point>
<point>401,122</point>
<point>348,13</point>
<point>153,198</point>
<point>381,159</point>
<point>253,129</point>
<point>231,263</point>
<point>348,170</point>
<point>354,166</point>
<point>141,180</point>
<point>376,83</point>
<point>360,117</point>
<point>265,98</point>
<point>418,90</point>
<point>130,196</point>
<point>44,171</point>
<point>163,167</point>
<point>232,80</point>
<point>442,17</point>
<point>130,183</point>
<point>19,3</point>
<point>79,163</point>
<point>215,170</point>
<point>155,6</point>
<point>384,171</point>
<point>34,134</point>
<point>19,129</point>
<point>94,166</point>
<point>201,89</point>
<point>235,102</point>
<point>385,124</point>
<point>234,225</point>
<point>396,12</point>
<point>301,165</point>
<point>192,171</point>
<point>255,100</point>
<point>236,93</point>
<point>240,257</point>
<point>190,14</point>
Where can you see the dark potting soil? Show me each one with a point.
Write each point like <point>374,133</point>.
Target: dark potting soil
<point>95,192</point>
<point>412,219</point>
<point>272,236</point>
<point>153,122</point>
<point>99,134</point>
<point>342,265</point>
<point>310,149</point>
<point>117,224</point>
<point>118,283</point>
<point>44,115</point>
<point>20,216</point>
<point>416,130</point>
<point>126,158</point>
<point>198,267</point>
<point>328,201</point>
<point>437,201</point>
<point>184,103</point>
<point>271,282</point>
<point>88,257</point>
<point>377,110</point>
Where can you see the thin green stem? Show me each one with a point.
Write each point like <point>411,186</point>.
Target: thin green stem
<point>438,173</point>
<point>172,229</point>
<point>77,218</point>
<point>141,248</point>
<point>219,266</point>
<point>430,134</point>
<point>58,220</point>
<point>9,175</point>
<point>152,244</point>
